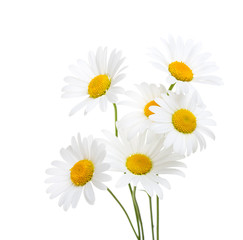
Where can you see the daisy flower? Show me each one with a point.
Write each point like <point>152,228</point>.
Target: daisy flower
<point>142,162</point>
<point>184,64</point>
<point>95,81</point>
<point>182,121</point>
<point>81,169</point>
<point>138,120</point>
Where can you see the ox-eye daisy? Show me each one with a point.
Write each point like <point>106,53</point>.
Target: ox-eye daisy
<point>138,120</point>
<point>184,64</point>
<point>82,167</point>
<point>96,81</point>
<point>182,121</point>
<point>142,162</point>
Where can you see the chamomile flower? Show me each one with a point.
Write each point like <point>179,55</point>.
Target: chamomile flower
<point>142,162</point>
<point>183,121</point>
<point>138,120</point>
<point>82,168</point>
<point>184,64</point>
<point>95,82</point>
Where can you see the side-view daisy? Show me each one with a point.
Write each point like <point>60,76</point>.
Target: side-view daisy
<point>185,64</point>
<point>182,121</point>
<point>142,162</point>
<point>82,167</point>
<point>95,81</point>
<point>138,120</point>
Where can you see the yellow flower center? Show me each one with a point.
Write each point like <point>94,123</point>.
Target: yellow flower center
<point>82,172</point>
<point>138,164</point>
<point>98,86</point>
<point>147,112</point>
<point>184,121</point>
<point>181,71</point>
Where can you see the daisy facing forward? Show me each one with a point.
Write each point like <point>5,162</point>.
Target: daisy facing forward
<point>96,81</point>
<point>184,64</point>
<point>82,167</point>
<point>138,120</point>
<point>182,121</point>
<point>142,162</point>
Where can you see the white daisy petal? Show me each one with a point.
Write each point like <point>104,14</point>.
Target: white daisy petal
<point>111,97</point>
<point>201,140</point>
<point>187,121</point>
<point>194,143</point>
<point>124,180</point>
<point>95,80</point>
<point>157,55</point>
<point>75,81</point>
<point>206,131</point>
<point>89,193</point>
<point>83,166</point>
<point>147,186</point>
<point>57,189</point>
<point>64,196</point>
<point>214,80</point>
<point>57,179</point>
<point>209,122</point>
<point>56,172</point>
<point>68,199</point>
<point>158,190</point>
<point>76,197</point>
<point>138,121</point>
<point>172,171</point>
<point>67,157</point>
<point>170,139</point>
<point>86,71</point>
<point>102,167</point>
<point>99,185</point>
<point>185,65</point>
<point>188,142</point>
<point>143,161</point>
<point>102,177</point>
<point>91,105</point>
<point>159,66</point>
<point>60,164</point>
<point>103,103</point>
<point>164,182</point>
<point>79,106</point>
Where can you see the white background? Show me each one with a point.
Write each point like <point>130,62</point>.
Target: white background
<point>39,40</point>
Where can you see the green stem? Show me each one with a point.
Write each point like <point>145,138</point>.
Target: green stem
<point>151,216</point>
<point>171,86</point>
<point>138,236</point>
<point>157,202</point>
<point>138,211</point>
<point>115,109</point>
<point>135,210</point>
<point>124,210</point>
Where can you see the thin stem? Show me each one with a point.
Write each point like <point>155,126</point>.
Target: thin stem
<point>171,86</point>
<point>124,210</point>
<point>151,216</point>
<point>115,109</point>
<point>136,212</point>
<point>134,201</point>
<point>157,203</point>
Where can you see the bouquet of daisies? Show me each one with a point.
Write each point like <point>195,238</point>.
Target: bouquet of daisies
<point>149,142</point>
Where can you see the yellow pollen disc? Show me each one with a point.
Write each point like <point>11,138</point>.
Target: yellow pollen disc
<point>184,121</point>
<point>98,86</point>
<point>82,172</point>
<point>181,71</point>
<point>147,112</point>
<point>138,164</point>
